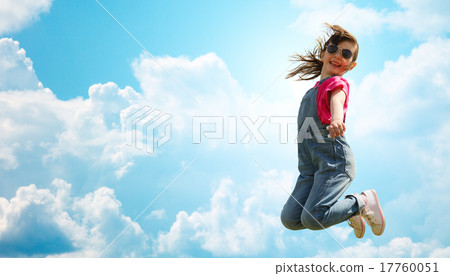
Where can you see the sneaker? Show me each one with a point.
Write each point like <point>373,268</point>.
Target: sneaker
<point>358,225</point>
<point>372,212</point>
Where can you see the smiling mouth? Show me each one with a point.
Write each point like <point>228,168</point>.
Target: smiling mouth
<point>335,64</point>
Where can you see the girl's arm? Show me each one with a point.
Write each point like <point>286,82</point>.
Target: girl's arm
<point>337,100</point>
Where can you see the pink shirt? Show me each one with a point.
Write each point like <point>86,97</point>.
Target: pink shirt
<point>323,103</point>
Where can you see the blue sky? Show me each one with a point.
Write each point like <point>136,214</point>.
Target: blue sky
<point>71,184</point>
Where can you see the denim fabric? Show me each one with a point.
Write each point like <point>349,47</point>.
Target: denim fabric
<point>327,167</point>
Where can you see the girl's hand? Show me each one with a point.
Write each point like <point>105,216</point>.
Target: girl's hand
<point>336,128</point>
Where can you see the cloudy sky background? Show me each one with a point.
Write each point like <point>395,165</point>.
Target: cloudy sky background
<point>71,75</point>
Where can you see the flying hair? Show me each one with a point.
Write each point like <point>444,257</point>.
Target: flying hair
<point>310,64</point>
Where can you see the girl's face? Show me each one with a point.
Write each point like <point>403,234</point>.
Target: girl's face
<point>335,64</point>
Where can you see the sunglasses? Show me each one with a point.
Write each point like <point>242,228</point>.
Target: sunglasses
<point>346,53</point>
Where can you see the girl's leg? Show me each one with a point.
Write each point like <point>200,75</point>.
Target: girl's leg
<point>292,210</point>
<point>323,208</point>
<point>336,171</point>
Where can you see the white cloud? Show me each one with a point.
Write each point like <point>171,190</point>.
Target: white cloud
<point>8,160</point>
<point>17,14</point>
<point>215,93</point>
<point>107,99</point>
<point>202,86</point>
<point>39,126</point>
<point>402,247</point>
<point>359,21</point>
<point>158,214</point>
<point>93,130</point>
<point>92,127</point>
<point>35,121</point>
<point>235,224</point>
<point>423,213</point>
<point>440,253</point>
<point>341,233</point>
<point>205,78</point>
<point>404,92</point>
<point>40,222</point>
<point>123,170</point>
<point>16,68</point>
<point>422,19</point>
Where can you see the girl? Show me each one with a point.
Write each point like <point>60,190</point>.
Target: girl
<point>326,162</point>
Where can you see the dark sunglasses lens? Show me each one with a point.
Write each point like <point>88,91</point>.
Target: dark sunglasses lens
<point>332,49</point>
<point>347,54</point>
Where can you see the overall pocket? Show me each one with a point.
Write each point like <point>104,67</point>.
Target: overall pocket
<point>350,163</point>
<point>345,157</point>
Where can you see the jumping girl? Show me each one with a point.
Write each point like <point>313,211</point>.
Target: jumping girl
<point>325,160</point>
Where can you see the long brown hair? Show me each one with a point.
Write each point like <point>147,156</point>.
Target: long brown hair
<point>311,64</point>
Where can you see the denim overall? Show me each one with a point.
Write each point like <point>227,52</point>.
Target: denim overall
<point>327,167</point>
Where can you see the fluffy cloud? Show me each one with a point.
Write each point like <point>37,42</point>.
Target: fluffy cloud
<point>424,213</point>
<point>40,222</point>
<point>77,127</point>
<point>359,20</point>
<point>16,14</point>
<point>8,161</point>
<point>168,78</point>
<point>404,92</point>
<point>93,130</point>
<point>35,121</point>
<point>16,68</point>
<point>234,225</point>
<point>420,18</point>
<point>203,87</point>
<point>397,248</point>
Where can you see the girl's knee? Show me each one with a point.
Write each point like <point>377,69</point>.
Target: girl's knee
<point>292,225</point>
<point>312,222</point>
<point>290,222</point>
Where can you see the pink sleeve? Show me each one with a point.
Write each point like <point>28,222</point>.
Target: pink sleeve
<point>323,103</point>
